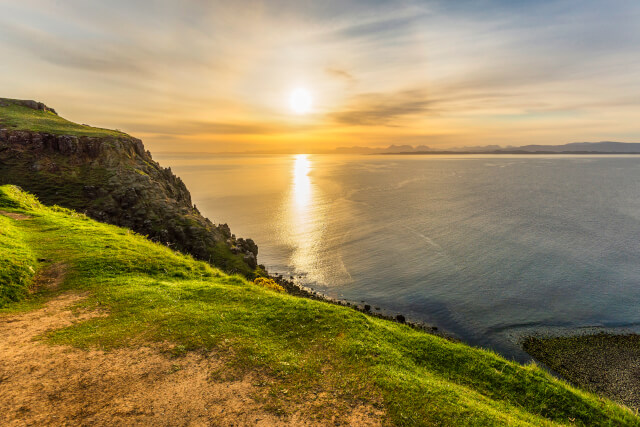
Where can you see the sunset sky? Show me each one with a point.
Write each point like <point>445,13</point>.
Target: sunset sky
<point>210,76</point>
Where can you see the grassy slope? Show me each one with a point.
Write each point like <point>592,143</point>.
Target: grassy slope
<point>17,117</point>
<point>156,295</point>
<point>17,263</point>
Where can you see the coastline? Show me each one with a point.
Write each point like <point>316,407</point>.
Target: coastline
<point>604,363</point>
<point>296,289</point>
<point>509,152</point>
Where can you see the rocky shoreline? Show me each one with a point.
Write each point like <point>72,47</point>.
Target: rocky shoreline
<point>603,363</point>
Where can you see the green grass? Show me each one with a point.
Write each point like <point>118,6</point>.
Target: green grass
<point>300,346</point>
<point>17,263</point>
<point>18,117</point>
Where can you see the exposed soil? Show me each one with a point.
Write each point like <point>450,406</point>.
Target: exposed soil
<point>41,384</point>
<point>603,363</point>
<point>50,277</point>
<point>16,216</point>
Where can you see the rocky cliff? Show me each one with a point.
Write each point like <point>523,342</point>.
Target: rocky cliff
<point>111,178</point>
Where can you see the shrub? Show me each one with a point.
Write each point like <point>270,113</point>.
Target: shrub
<point>268,283</point>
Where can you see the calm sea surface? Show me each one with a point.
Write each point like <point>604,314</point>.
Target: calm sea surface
<point>488,248</point>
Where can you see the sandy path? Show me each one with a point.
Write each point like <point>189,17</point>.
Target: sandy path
<point>42,384</point>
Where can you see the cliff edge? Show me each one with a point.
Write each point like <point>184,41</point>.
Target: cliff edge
<point>112,178</point>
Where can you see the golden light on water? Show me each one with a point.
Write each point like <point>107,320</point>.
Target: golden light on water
<point>301,181</point>
<point>303,224</point>
<point>308,222</point>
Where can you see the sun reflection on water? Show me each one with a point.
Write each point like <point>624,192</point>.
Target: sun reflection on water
<point>303,216</point>
<point>307,222</point>
<point>301,181</point>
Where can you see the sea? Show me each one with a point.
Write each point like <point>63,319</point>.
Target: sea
<point>488,248</point>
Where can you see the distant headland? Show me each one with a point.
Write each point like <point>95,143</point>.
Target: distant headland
<point>602,147</point>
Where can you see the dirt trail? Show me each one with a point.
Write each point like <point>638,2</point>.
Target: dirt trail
<point>42,384</point>
<point>14,215</point>
<point>50,277</point>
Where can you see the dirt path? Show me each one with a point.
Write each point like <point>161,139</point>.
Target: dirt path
<point>50,277</point>
<point>42,384</point>
<point>16,216</point>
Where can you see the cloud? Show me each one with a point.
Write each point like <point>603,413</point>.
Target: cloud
<point>202,128</point>
<point>339,73</point>
<point>106,57</point>
<point>195,127</point>
<point>382,109</point>
<point>379,29</point>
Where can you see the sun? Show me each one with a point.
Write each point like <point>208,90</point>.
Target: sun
<point>300,101</point>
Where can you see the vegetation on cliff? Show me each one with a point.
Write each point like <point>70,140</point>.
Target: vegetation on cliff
<point>304,348</point>
<point>109,176</point>
<point>34,116</point>
<point>17,261</point>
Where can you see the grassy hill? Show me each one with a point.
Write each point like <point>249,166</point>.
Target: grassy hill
<point>154,295</point>
<point>16,116</point>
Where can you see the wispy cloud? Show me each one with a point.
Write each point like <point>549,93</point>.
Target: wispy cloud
<point>340,74</point>
<point>382,29</point>
<point>105,57</point>
<point>199,128</point>
<point>204,127</point>
<point>382,109</point>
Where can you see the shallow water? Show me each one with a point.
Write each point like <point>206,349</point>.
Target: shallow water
<point>486,247</point>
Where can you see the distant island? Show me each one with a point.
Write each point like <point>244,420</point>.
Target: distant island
<point>602,147</point>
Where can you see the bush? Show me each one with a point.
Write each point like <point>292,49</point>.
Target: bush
<point>268,283</point>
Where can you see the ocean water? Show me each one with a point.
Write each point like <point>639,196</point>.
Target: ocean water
<point>488,248</point>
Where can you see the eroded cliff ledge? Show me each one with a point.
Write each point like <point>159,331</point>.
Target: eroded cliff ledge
<point>113,179</point>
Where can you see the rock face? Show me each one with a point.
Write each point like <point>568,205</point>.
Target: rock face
<point>114,180</point>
